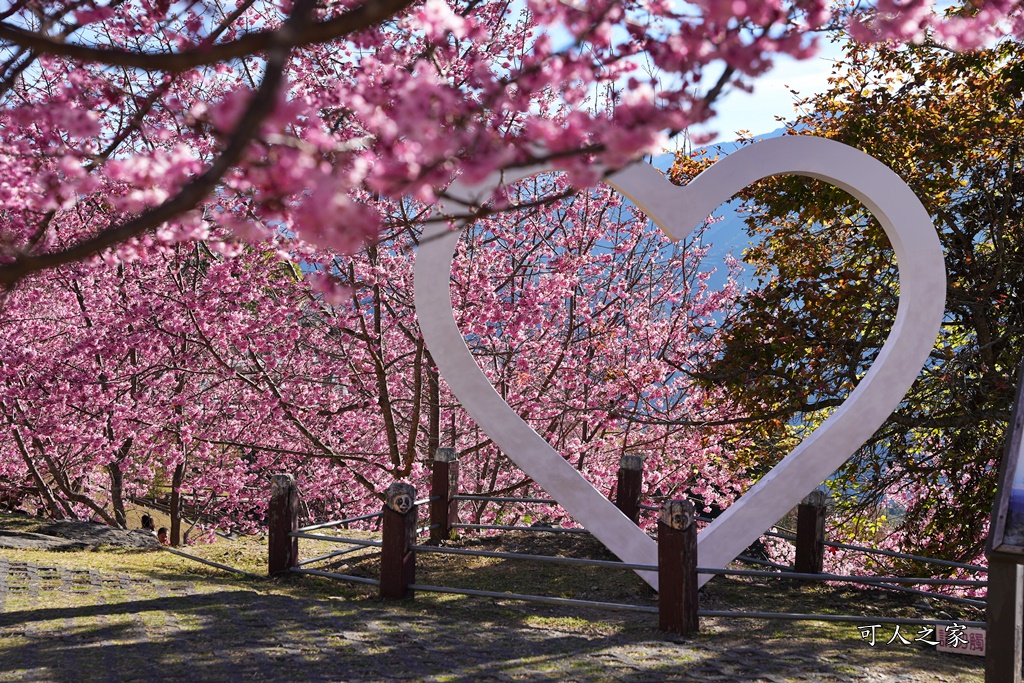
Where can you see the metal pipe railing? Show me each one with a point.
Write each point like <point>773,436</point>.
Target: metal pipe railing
<point>919,558</point>
<point>839,617</point>
<point>885,582</point>
<point>335,539</point>
<point>503,527</point>
<point>840,577</point>
<point>765,563</point>
<point>336,553</point>
<point>211,563</point>
<point>860,548</point>
<point>901,589</point>
<point>502,499</point>
<point>932,594</point>
<point>533,598</point>
<point>538,558</point>
<point>328,525</point>
<point>333,575</point>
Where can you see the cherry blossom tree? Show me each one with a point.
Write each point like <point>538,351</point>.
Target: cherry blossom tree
<point>950,125</point>
<point>204,371</point>
<point>130,122</point>
<point>159,157</point>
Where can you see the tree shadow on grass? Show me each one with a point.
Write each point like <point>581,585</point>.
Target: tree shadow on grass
<point>240,634</point>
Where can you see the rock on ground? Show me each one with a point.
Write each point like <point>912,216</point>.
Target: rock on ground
<point>72,535</point>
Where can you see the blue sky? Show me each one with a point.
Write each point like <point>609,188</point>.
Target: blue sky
<point>756,111</point>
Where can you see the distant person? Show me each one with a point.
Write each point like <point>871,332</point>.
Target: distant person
<point>162,536</point>
<point>147,524</point>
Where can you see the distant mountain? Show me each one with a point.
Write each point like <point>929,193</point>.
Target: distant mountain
<point>729,236</point>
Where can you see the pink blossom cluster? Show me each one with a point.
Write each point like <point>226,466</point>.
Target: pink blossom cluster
<point>166,119</point>
<point>230,367</point>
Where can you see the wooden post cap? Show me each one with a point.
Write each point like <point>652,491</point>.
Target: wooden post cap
<point>445,455</point>
<point>678,514</point>
<point>281,484</point>
<point>400,497</point>
<point>817,498</point>
<point>631,462</point>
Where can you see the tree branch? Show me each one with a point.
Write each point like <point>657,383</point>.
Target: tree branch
<point>194,192</point>
<point>358,19</point>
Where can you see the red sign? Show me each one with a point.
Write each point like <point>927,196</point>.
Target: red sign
<point>961,639</point>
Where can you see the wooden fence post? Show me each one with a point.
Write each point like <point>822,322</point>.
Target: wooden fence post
<point>629,486</point>
<point>1004,611</point>
<point>810,533</point>
<point>677,568</point>
<point>397,560</point>
<point>282,519</point>
<point>444,485</point>
<point>1004,616</point>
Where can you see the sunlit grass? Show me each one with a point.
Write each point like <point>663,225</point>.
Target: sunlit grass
<point>833,641</point>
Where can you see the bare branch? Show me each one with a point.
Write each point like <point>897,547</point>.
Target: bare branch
<point>194,192</point>
<point>358,19</point>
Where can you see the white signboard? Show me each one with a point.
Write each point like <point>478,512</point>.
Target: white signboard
<point>1007,534</point>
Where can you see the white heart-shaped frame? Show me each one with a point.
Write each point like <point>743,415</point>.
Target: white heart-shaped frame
<point>677,211</point>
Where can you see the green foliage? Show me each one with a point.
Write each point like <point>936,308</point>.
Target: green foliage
<point>952,126</point>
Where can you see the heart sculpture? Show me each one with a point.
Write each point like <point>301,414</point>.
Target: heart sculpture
<point>677,211</point>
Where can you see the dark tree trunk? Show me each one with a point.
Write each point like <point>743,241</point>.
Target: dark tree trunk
<point>176,513</point>
<point>117,493</point>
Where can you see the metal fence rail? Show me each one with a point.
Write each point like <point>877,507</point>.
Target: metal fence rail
<point>360,518</point>
<point>572,602</point>
<point>887,553</point>
<point>534,558</point>
<point>764,563</point>
<point>534,598</point>
<point>339,522</point>
<point>974,602</point>
<point>895,583</point>
<point>839,617</point>
<point>860,548</point>
<point>919,558</point>
<point>501,499</point>
<point>785,570</point>
<point>840,577</point>
<point>333,575</point>
<point>505,527</point>
<point>211,563</point>
<point>336,553</point>
<point>335,539</point>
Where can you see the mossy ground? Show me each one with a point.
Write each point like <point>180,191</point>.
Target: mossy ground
<point>187,617</point>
